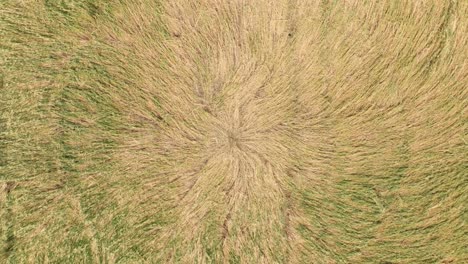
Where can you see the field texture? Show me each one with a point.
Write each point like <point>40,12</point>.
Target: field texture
<point>233,131</point>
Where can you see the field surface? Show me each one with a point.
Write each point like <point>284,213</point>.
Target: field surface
<point>233,131</point>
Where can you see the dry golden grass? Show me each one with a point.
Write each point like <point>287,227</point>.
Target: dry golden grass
<point>219,131</point>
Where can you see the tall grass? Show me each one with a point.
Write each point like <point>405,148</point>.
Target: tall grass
<point>216,131</point>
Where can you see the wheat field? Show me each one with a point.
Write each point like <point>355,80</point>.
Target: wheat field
<point>233,131</point>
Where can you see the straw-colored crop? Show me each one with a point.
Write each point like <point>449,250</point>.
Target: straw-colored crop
<point>233,131</point>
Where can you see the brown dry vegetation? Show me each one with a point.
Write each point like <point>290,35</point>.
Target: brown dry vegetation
<point>219,131</point>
